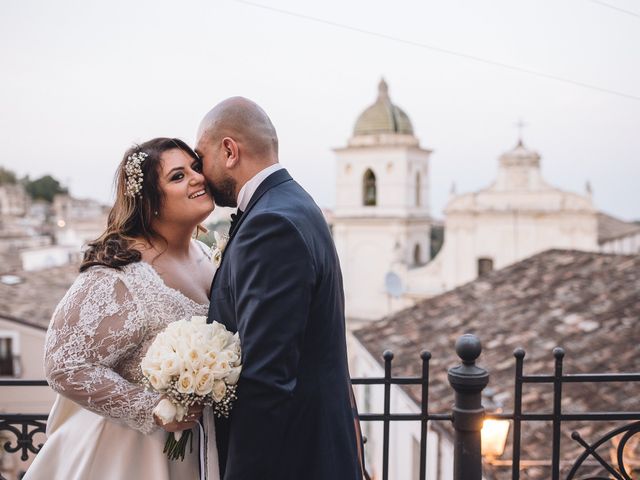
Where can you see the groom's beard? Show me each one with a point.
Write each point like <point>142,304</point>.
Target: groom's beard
<point>224,192</point>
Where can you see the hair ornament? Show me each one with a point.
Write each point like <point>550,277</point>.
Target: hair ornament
<point>133,174</point>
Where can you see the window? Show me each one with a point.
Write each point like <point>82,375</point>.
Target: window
<point>485,265</point>
<point>9,354</point>
<point>417,255</point>
<point>6,357</point>
<point>418,190</point>
<point>369,189</point>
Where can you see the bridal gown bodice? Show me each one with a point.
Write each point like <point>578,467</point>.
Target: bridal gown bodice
<point>98,335</point>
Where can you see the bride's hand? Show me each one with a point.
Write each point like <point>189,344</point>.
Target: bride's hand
<point>188,422</point>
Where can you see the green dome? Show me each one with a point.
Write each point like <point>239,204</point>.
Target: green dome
<point>383,117</point>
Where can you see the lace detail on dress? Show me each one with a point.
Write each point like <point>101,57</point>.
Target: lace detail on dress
<point>99,334</point>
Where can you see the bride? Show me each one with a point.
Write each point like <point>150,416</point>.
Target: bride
<point>142,273</point>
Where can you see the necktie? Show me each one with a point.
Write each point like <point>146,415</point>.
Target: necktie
<point>235,218</point>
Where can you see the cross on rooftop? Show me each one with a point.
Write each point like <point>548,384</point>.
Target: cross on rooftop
<point>520,125</point>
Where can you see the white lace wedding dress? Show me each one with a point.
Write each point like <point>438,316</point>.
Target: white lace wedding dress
<point>101,426</point>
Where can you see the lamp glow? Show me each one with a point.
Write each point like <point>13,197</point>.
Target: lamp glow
<point>494,437</point>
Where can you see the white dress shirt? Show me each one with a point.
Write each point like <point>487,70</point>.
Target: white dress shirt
<point>249,188</point>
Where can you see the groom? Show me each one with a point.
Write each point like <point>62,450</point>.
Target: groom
<point>280,286</point>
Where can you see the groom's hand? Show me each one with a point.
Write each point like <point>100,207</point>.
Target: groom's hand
<point>188,422</point>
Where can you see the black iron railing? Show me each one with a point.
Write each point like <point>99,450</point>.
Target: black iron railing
<point>467,381</point>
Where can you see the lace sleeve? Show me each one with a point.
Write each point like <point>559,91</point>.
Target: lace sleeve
<point>97,324</point>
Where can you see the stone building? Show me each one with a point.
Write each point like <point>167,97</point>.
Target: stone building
<point>517,216</point>
<point>381,217</point>
<point>14,201</point>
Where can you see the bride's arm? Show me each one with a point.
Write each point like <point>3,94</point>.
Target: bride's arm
<point>96,325</point>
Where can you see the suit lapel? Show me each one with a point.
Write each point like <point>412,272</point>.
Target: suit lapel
<point>275,179</point>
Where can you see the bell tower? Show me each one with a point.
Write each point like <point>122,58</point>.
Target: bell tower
<point>382,214</point>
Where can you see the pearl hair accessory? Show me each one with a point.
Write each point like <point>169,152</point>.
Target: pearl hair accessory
<point>133,174</point>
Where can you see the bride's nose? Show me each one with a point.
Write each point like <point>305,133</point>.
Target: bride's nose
<point>196,178</point>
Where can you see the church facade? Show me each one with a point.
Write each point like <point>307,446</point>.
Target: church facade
<point>382,218</point>
<point>518,216</point>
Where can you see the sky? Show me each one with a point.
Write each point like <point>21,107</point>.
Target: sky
<point>80,81</point>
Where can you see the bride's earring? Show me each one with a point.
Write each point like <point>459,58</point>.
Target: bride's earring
<point>155,213</point>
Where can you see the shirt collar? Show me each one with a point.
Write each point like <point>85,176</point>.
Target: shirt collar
<point>249,188</point>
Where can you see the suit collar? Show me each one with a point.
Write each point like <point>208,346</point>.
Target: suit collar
<point>275,179</point>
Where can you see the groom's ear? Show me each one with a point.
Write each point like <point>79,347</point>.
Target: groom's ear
<point>230,151</point>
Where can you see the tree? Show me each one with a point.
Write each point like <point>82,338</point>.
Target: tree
<point>44,188</point>
<point>7,176</point>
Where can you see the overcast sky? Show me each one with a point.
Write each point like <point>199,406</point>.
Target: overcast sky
<point>82,80</point>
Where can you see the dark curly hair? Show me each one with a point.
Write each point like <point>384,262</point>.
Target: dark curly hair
<point>130,217</point>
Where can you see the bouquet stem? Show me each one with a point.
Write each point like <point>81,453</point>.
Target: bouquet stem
<point>176,448</point>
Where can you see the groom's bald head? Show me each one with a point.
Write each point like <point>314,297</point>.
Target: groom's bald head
<point>244,121</point>
<point>236,140</point>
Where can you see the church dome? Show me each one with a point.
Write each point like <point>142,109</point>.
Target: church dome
<point>383,117</point>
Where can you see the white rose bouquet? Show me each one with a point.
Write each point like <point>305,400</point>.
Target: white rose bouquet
<point>191,362</point>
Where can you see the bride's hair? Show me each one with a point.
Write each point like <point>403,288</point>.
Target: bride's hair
<point>138,200</point>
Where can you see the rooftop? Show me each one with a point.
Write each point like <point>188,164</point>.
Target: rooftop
<point>34,299</point>
<point>610,228</point>
<point>587,303</point>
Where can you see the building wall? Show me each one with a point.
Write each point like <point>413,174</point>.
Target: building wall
<point>31,350</point>
<point>35,400</point>
<point>373,240</point>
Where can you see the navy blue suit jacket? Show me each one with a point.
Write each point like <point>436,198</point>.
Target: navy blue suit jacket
<point>280,286</point>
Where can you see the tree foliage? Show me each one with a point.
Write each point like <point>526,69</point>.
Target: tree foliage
<point>44,188</point>
<point>7,176</point>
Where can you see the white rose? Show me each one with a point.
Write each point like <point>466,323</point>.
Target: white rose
<point>217,342</point>
<point>193,359</point>
<point>232,357</point>
<point>199,320</point>
<point>172,365</point>
<point>186,382</point>
<point>219,390</point>
<point>233,375</point>
<point>166,411</point>
<point>210,359</point>
<point>157,380</point>
<point>221,368</point>
<point>204,382</point>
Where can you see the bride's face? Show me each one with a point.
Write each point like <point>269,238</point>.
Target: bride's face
<point>186,197</point>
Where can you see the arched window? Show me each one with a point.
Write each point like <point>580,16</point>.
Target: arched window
<point>417,255</point>
<point>369,197</point>
<point>418,190</point>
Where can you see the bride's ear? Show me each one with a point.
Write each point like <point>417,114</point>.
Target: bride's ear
<point>230,150</point>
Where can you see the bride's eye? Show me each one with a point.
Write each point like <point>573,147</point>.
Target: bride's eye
<point>177,176</point>
<point>197,167</point>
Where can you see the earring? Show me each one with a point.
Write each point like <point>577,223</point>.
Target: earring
<point>155,213</point>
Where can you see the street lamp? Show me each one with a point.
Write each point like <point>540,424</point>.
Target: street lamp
<point>494,437</point>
